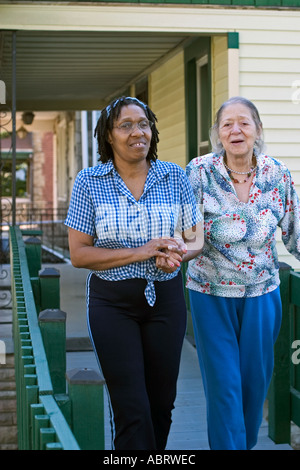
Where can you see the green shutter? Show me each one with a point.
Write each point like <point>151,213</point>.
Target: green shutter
<point>233,40</point>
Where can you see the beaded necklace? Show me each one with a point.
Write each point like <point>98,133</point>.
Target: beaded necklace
<point>248,173</point>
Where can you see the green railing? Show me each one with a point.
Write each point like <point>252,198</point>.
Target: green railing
<point>55,409</point>
<point>284,392</point>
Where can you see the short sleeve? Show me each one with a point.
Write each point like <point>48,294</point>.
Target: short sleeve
<point>190,214</point>
<point>81,213</point>
<point>290,223</point>
<point>194,175</point>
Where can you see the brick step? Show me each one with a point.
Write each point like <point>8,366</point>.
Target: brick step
<point>8,436</point>
<point>7,374</point>
<point>8,446</point>
<point>8,418</point>
<point>9,386</point>
<point>8,401</point>
<point>8,412</point>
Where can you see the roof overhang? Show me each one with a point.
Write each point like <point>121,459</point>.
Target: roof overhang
<point>73,70</point>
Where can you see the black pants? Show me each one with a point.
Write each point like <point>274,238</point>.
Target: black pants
<point>138,348</point>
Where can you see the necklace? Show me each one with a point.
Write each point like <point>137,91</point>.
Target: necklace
<point>238,181</point>
<point>248,173</point>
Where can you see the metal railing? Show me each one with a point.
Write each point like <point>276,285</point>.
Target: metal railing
<point>50,222</point>
<point>49,412</point>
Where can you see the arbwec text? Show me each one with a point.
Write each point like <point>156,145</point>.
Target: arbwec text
<point>152,459</point>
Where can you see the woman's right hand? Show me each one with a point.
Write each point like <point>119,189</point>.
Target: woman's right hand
<point>175,251</point>
<point>157,247</point>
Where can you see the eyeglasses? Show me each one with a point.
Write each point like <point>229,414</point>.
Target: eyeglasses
<point>128,126</point>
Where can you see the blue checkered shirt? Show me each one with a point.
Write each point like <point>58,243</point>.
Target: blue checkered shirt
<point>102,206</point>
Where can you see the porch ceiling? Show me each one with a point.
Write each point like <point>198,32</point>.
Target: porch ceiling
<point>79,70</point>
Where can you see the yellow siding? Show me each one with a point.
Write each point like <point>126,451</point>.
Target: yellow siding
<point>219,65</point>
<point>167,100</point>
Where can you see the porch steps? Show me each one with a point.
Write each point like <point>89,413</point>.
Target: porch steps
<point>8,402</point>
<point>8,405</point>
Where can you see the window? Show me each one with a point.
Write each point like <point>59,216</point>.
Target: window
<point>22,178</point>
<point>197,57</point>
<point>203,105</point>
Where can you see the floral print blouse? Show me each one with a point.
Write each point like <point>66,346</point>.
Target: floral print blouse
<point>239,257</point>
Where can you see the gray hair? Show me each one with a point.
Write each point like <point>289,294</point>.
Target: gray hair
<point>217,146</point>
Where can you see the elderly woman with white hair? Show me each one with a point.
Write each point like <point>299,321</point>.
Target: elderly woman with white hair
<point>234,282</point>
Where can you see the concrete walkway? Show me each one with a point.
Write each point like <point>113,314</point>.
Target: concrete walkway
<point>188,431</point>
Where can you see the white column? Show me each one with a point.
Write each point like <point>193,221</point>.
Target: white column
<point>84,140</point>
<point>94,142</point>
<point>233,73</point>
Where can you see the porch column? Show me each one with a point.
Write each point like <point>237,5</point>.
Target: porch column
<point>84,140</point>
<point>13,137</point>
<point>233,64</point>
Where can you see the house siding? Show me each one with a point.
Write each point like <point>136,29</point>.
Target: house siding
<point>269,65</point>
<point>219,65</point>
<point>268,62</point>
<point>167,100</point>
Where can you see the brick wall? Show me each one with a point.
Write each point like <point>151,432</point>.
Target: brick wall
<point>47,146</point>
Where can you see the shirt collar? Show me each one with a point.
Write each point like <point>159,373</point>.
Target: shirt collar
<point>158,168</point>
<point>103,169</point>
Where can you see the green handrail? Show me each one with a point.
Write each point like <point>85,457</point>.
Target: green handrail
<point>284,390</point>
<point>47,416</point>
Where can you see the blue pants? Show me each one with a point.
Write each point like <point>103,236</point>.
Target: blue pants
<point>234,339</point>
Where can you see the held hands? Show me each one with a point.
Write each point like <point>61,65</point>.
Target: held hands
<point>168,252</point>
<point>173,255</point>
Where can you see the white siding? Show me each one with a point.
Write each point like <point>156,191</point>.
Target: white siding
<point>269,67</point>
<point>167,100</point>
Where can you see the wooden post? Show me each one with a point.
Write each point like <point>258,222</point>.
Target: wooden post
<point>52,324</point>
<point>85,389</point>
<point>33,249</point>
<point>279,390</point>
<point>49,288</point>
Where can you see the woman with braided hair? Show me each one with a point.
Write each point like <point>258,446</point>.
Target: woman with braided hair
<point>132,220</point>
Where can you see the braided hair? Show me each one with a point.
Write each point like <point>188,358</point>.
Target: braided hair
<point>106,121</point>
